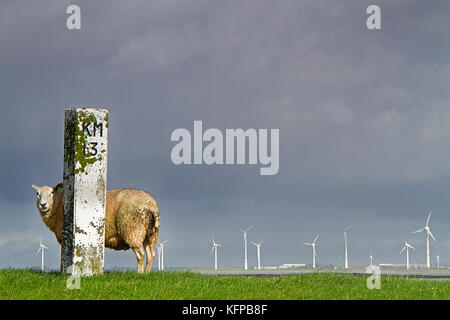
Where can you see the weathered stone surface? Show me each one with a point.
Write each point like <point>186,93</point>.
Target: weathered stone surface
<point>85,168</point>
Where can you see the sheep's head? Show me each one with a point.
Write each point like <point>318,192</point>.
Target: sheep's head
<point>44,201</point>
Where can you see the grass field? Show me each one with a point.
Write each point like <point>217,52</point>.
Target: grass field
<point>29,284</point>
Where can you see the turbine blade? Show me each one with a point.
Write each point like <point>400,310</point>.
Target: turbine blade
<point>241,229</point>
<point>308,244</point>
<point>348,228</point>
<point>44,247</point>
<point>407,244</point>
<point>429,232</point>
<point>403,249</point>
<point>428,219</point>
<point>38,250</point>
<point>212,249</point>
<point>315,239</point>
<point>420,230</point>
<point>253,243</point>
<point>250,228</point>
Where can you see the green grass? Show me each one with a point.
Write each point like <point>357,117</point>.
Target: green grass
<point>28,284</point>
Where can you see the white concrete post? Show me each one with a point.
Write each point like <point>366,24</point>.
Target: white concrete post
<point>84,187</point>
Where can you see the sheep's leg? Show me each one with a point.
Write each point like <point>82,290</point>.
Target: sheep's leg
<point>140,254</point>
<point>149,244</point>
<point>150,256</point>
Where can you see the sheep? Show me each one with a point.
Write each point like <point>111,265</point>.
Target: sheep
<point>132,220</point>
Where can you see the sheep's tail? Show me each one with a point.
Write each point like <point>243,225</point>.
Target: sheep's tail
<point>157,221</point>
<point>153,230</point>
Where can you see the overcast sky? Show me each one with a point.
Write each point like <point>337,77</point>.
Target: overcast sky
<point>364,120</point>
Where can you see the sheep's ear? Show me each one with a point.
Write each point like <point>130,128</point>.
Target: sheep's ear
<point>35,187</point>
<point>58,188</point>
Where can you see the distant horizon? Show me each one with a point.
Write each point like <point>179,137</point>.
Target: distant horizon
<point>254,268</point>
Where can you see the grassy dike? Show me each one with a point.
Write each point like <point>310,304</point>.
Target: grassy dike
<point>30,284</point>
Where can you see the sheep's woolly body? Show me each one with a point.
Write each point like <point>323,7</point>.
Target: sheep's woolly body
<point>132,216</point>
<point>132,221</point>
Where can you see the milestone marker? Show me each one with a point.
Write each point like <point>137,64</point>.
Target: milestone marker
<point>84,187</point>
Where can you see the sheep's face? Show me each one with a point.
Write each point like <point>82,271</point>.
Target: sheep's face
<point>44,199</point>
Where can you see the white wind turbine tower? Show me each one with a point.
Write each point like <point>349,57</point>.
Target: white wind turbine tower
<point>407,247</point>
<point>345,230</point>
<point>245,245</point>
<point>313,245</point>
<point>41,248</point>
<point>159,257</point>
<point>258,251</point>
<point>428,230</point>
<point>161,251</point>
<point>371,259</point>
<point>214,248</point>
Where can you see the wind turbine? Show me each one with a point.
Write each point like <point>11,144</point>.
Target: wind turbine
<point>159,257</point>
<point>258,251</point>
<point>371,259</point>
<point>428,230</point>
<point>245,245</point>
<point>41,248</point>
<point>407,247</point>
<point>345,230</point>
<point>161,251</point>
<point>438,265</point>
<point>313,245</point>
<point>214,248</point>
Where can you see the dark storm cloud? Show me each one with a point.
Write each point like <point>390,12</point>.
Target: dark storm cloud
<point>363,115</point>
